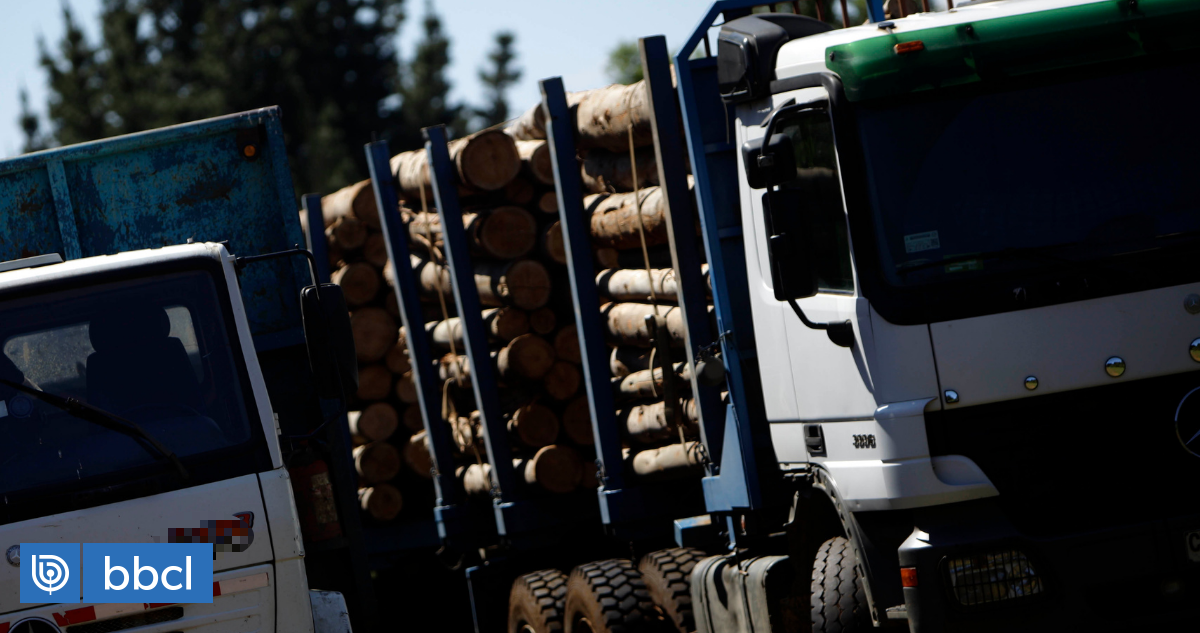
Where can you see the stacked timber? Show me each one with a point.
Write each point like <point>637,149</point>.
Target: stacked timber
<point>510,217</point>
<point>627,220</point>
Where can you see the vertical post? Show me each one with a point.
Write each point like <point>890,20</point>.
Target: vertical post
<point>338,436</point>
<point>466,296</point>
<point>560,133</point>
<point>875,11</point>
<point>424,367</point>
<point>681,232</point>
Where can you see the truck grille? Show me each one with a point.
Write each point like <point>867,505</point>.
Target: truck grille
<point>130,621</point>
<point>1086,459</point>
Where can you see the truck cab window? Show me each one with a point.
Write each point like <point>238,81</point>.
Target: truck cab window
<point>819,187</point>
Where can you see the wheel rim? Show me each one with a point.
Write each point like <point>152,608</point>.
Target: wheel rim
<point>583,625</point>
<point>525,628</point>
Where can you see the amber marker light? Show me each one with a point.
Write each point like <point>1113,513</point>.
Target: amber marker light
<point>249,151</point>
<point>909,47</point>
<point>908,576</point>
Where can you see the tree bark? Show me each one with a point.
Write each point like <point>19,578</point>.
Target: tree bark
<point>552,243</point>
<point>610,172</point>
<point>625,323</point>
<point>648,384</point>
<point>505,232</point>
<point>467,437</point>
<point>449,364</point>
<point>674,461</point>
<point>577,422</point>
<point>601,117</point>
<point>648,424</point>
<point>374,333</point>
<point>417,455</point>
<point>476,479</point>
<point>535,156</point>
<point>486,160</point>
<point>523,283</point>
<point>374,383</point>
<point>360,283</point>
<point>502,324</point>
<point>614,218</point>
<point>636,285</point>
<point>660,257</point>
<point>566,344</point>
<point>381,501</point>
<point>534,425</point>
<point>347,232</point>
<point>376,462</point>
<point>375,423</point>
<point>356,201</point>
<point>562,381</point>
<point>528,356</point>
<point>556,469</point>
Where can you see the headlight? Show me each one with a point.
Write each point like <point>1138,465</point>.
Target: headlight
<point>993,577</point>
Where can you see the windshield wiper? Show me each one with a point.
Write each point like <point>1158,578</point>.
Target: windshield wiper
<point>110,421</point>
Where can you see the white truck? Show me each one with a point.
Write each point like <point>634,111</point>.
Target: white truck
<point>144,385</point>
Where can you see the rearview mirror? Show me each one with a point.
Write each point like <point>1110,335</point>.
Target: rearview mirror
<point>772,166</point>
<point>793,273</point>
<point>330,342</point>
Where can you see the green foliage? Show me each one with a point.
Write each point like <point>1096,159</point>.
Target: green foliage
<point>425,92</point>
<point>30,126</point>
<point>330,64</point>
<point>499,79</point>
<point>624,63</point>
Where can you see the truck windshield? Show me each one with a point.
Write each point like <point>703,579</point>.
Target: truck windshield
<point>1054,174</point>
<point>153,350</point>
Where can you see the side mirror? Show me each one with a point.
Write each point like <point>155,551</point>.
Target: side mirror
<point>774,165</point>
<point>792,271</point>
<point>327,331</point>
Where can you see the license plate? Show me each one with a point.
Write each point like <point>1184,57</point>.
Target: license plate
<point>1193,546</point>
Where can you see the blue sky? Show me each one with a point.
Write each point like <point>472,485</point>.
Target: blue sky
<point>568,38</point>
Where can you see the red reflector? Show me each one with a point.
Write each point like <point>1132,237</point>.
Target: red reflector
<point>908,576</point>
<point>909,47</point>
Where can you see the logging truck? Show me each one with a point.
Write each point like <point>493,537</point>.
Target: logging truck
<point>930,364</point>
<point>157,329</point>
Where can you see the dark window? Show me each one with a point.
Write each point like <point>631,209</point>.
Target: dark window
<point>823,215</point>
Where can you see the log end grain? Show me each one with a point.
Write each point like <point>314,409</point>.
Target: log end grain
<point>566,344</point>
<point>412,419</point>
<point>542,321</point>
<point>562,381</point>
<point>552,243</point>
<point>535,425</point>
<point>526,285</point>
<point>556,469</point>
<point>527,356</point>
<point>406,388</point>
<point>360,283</point>
<point>377,422</point>
<point>374,383</point>
<point>488,160</point>
<point>374,332</point>
<point>376,462</point>
<point>577,422</point>
<point>548,203</point>
<point>508,232</point>
<point>381,501</point>
<point>417,455</point>
<point>507,323</point>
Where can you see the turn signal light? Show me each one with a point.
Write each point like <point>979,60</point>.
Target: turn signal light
<point>908,576</point>
<point>909,47</point>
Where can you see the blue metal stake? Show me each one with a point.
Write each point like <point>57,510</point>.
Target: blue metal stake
<point>466,296</point>
<point>681,233</point>
<point>449,510</point>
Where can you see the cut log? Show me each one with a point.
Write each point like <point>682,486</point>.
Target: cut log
<point>376,462</point>
<point>535,157</point>
<point>625,323</point>
<point>548,203</point>
<point>335,257</point>
<point>556,469</point>
<point>412,418</point>
<point>626,360</point>
<point>406,388</point>
<point>552,243</point>
<point>577,422</point>
<point>566,344</point>
<point>648,384</point>
<point>418,456</point>
<point>390,304</point>
<point>502,324</point>
<point>374,250</point>
<point>674,461</point>
<point>647,423</point>
<point>467,437</point>
<point>542,321</point>
<point>589,478</point>
<point>374,332</point>
<point>487,161</point>
<point>348,233</point>
<point>381,501</point>
<point>520,191</point>
<point>374,383</point>
<point>449,364</point>
<point>602,118</point>
<point>504,232</point>
<point>523,283</point>
<point>636,285</point>
<point>356,201</point>
<point>660,257</point>
<point>614,218</point>
<point>562,381</point>
<point>610,172</point>
<point>528,356</point>
<point>375,423</point>
<point>360,283</point>
<point>476,479</point>
<point>534,425</point>
<point>397,359</point>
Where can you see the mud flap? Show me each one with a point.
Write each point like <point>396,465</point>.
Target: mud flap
<point>732,596</point>
<point>329,612</point>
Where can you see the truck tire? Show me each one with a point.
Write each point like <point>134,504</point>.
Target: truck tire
<point>839,602</point>
<point>667,574</point>
<point>535,604</point>
<point>609,596</point>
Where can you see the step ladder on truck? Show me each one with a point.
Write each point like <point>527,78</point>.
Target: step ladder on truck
<point>171,366</point>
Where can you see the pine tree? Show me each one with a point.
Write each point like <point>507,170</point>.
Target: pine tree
<point>497,81</point>
<point>30,126</point>
<point>77,96</point>
<point>624,63</point>
<point>425,94</point>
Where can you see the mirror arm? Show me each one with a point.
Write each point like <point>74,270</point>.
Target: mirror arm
<point>240,262</point>
<point>840,333</point>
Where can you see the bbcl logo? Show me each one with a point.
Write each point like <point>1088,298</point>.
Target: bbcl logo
<point>117,573</point>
